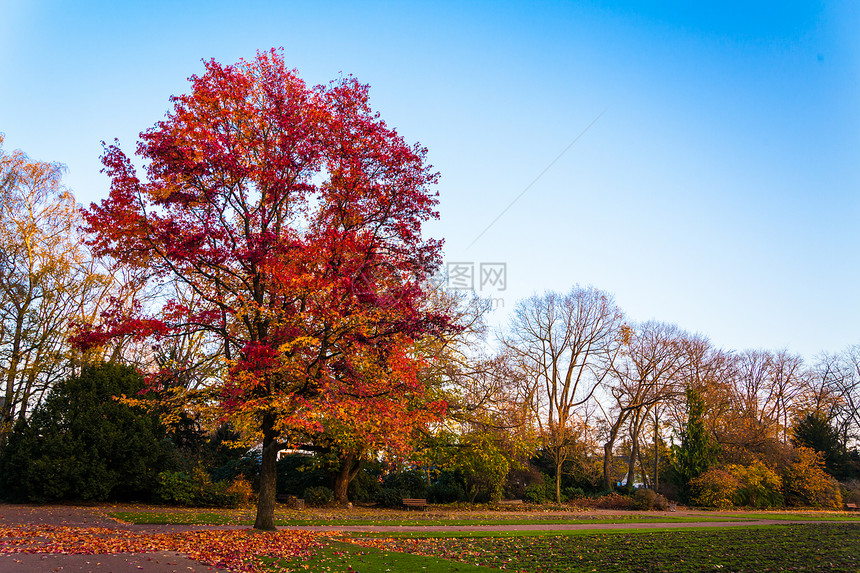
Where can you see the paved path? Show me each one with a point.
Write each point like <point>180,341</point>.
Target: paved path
<point>71,516</point>
<point>161,562</point>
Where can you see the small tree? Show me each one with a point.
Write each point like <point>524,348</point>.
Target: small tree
<point>697,450</point>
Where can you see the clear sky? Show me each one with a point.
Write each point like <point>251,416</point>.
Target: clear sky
<point>718,188</point>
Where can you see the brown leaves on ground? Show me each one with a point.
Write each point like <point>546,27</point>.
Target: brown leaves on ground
<point>235,550</point>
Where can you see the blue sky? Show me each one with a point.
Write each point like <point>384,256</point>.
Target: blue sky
<point>719,189</point>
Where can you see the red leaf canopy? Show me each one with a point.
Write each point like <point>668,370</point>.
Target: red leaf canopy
<point>295,215</point>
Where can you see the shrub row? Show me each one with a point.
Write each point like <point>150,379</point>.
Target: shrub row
<point>198,490</point>
<point>803,483</point>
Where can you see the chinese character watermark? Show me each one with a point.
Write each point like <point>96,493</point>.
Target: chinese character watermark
<point>461,276</point>
<point>480,278</point>
<point>494,275</point>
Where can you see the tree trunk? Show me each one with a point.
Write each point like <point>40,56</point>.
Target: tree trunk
<point>631,465</point>
<point>268,477</point>
<point>656,450</point>
<point>558,480</point>
<point>646,477</point>
<point>607,449</point>
<point>349,467</point>
<point>634,450</point>
<point>607,462</point>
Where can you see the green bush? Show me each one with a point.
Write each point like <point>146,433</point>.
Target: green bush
<point>319,496</point>
<point>390,497</point>
<point>535,493</point>
<point>296,473</point>
<point>412,483</point>
<point>365,485</point>
<point>643,499</point>
<point>198,490</point>
<point>176,488</point>
<point>445,493</point>
<point>83,444</point>
<point>570,493</point>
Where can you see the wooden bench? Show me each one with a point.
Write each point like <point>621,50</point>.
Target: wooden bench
<point>422,503</point>
<point>851,507</point>
<point>510,502</point>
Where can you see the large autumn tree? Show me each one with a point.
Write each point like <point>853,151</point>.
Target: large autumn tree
<point>294,215</point>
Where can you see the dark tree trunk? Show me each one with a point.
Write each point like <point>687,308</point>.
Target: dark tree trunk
<point>656,480</point>
<point>607,448</point>
<point>634,450</point>
<point>558,464</point>
<point>268,476</point>
<point>349,467</point>
<point>607,460</point>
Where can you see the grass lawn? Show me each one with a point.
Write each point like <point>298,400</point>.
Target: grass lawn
<point>347,557</point>
<point>185,517</point>
<point>806,547</point>
<point>802,516</point>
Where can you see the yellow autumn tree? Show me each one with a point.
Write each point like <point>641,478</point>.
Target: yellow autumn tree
<point>47,281</point>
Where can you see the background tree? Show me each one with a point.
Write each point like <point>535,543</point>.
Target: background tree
<point>294,216</point>
<point>697,451</point>
<point>47,280</point>
<point>813,431</point>
<point>644,377</point>
<point>768,389</point>
<point>565,345</point>
<point>84,444</point>
<point>837,381</point>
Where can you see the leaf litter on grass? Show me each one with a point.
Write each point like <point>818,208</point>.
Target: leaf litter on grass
<point>234,550</point>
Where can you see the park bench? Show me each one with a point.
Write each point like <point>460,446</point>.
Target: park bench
<point>510,502</point>
<point>851,507</point>
<point>409,502</point>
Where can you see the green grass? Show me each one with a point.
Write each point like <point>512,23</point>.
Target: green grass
<point>340,556</point>
<point>803,547</point>
<point>537,532</point>
<point>803,516</point>
<point>210,518</point>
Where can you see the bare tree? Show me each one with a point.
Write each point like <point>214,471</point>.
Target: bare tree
<point>644,378</point>
<point>566,344</point>
<point>767,390</point>
<point>836,391</point>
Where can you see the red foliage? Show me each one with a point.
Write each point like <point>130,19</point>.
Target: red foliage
<point>294,214</point>
<point>235,550</point>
